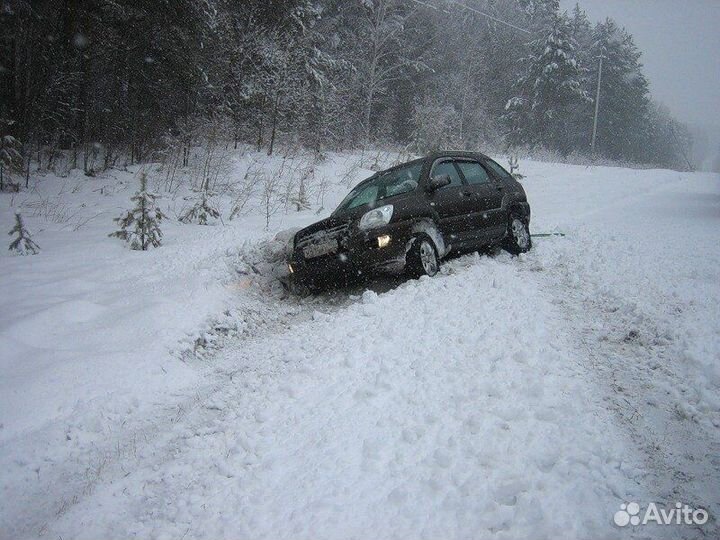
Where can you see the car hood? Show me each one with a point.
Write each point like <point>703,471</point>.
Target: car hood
<point>333,222</point>
<point>347,217</point>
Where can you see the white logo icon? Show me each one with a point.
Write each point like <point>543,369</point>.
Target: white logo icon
<point>628,513</point>
<point>680,514</point>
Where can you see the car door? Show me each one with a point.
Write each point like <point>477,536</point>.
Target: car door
<point>486,219</point>
<point>511,189</point>
<point>451,204</point>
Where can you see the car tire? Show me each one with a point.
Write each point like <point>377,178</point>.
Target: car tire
<point>517,239</point>
<point>422,258</point>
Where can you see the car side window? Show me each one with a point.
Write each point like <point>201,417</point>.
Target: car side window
<point>447,167</point>
<point>498,170</point>
<point>473,172</point>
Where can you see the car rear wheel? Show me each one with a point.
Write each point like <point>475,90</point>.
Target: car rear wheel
<point>422,259</point>
<point>518,238</point>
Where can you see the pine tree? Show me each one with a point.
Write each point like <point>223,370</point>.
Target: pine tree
<point>624,103</point>
<point>539,13</point>
<point>23,244</point>
<point>140,227</point>
<point>202,210</point>
<point>582,32</point>
<point>548,93</point>
<point>667,141</point>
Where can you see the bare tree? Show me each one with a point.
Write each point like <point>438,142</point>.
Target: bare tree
<point>269,195</point>
<point>244,190</point>
<point>10,162</point>
<point>384,54</point>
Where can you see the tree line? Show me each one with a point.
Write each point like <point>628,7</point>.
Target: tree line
<point>102,82</point>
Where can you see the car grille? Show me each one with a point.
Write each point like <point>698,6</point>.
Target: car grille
<point>338,232</point>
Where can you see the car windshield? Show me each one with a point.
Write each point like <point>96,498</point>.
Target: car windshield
<point>381,186</point>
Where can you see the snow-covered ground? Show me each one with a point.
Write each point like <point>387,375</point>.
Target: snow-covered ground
<point>506,398</point>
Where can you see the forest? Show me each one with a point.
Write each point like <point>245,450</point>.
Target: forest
<point>95,84</point>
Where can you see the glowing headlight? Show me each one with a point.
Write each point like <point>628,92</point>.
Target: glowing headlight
<point>383,241</point>
<point>377,217</point>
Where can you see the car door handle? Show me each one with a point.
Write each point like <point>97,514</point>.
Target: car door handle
<point>499,188</point>
<point>466,193</point>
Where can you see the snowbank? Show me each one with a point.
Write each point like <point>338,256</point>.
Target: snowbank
<point>104,323</point>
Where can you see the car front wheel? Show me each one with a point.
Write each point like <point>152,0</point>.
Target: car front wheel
<point>518,238</point>
<point>422,259</point>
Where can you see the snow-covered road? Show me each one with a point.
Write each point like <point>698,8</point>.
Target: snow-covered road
<point>506,398</point>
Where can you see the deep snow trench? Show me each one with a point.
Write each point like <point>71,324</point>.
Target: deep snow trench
<point>506,398</point>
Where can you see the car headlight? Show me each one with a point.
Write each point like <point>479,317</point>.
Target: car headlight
<point>377,217</point>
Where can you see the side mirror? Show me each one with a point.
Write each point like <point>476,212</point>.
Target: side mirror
<point>436,182</point>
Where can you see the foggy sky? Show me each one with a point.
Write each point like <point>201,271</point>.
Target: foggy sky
<point>680,42</point>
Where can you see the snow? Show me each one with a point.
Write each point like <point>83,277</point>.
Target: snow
<point>508,397</point>
<point>428,227</point>
<point>87,311</point>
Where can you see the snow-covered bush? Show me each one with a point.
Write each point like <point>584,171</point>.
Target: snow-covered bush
<point>351,175</point>
<point>197,153</point>
<point>243,190</point>
<point>23,244</point>
<point>300,201</point>
<point>300,180</point>
<point>270,199</point>
<point>514,166</point>
<point>140,227</point>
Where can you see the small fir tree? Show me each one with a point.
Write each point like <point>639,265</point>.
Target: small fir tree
<point>301,201</point>
<point>23,244</point>
<point>515,166</point>
<point>140,227</point>
<point>202,210</point>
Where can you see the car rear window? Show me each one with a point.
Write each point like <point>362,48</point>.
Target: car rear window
<point>497,169</point>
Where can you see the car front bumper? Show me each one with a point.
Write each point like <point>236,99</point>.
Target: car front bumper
<point>358,254</point>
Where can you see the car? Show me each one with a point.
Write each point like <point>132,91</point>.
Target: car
<point>410,217</point>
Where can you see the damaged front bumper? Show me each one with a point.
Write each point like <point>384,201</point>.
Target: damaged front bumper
<point>344,252</point>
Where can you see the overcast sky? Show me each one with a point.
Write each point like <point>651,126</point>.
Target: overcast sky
<point>680,42</point>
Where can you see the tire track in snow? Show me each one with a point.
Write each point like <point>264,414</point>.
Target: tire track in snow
<point>64,474</point>
<point>422,412</point>
<point>633,358</point>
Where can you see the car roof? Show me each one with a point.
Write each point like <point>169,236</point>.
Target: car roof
<point>428,158</point>
<point>455,154</point>
<point>432,157</point>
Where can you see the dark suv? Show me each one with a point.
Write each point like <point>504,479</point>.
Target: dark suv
<point>409,217</point>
